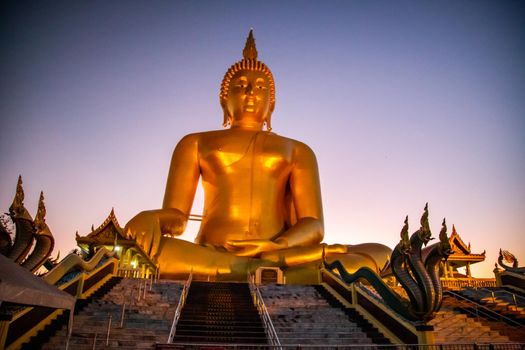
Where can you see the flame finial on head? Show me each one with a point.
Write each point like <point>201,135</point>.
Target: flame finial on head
<point>250,51</point>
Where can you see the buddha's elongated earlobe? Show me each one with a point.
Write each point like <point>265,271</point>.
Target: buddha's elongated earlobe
<point>268,122</point>
<point>227,121</point>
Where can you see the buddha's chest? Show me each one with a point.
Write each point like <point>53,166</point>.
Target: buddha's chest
<point>241,156</point>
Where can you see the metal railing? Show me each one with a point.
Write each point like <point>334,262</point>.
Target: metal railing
<point>455,346</point>
<point>263,312</point>
<point>481,310</point>
<point>180,305</point>
<point>459,283</point>
<point>518,301</point>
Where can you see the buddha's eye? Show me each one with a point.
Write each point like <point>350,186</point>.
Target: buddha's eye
<point>241,83</point>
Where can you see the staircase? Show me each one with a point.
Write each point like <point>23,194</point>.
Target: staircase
<point>371,331</point>
<point>452,326</point>
<point>147,320</point>
<point>61,321</point>
<point>303,315</point>
<point>486,316</point>
<point>218,312</point>
<point>499,301</point>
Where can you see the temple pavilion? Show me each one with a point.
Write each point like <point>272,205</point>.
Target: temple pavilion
<point>133,261</point>
<point>461,256</point>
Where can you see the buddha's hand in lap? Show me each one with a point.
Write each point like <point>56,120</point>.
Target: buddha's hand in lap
<point>253,247</point>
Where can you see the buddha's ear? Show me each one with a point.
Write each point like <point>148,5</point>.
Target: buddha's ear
<point>268,118</point>
<point>227,117</point>
<point>268,121</point>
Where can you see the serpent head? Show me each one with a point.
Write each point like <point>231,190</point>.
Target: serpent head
<point>404,243</point>
<point>444,244</point>
<point>424,232</point>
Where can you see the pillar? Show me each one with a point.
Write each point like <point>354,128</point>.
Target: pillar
<point>468,270</point>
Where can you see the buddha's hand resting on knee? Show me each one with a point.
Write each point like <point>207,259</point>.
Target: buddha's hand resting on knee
<point>147,228</point>
<point>253,247</point>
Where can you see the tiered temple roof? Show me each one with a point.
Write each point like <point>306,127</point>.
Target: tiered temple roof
<point>111,235</point>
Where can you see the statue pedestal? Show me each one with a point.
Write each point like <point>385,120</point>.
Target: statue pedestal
<point>264,275</point>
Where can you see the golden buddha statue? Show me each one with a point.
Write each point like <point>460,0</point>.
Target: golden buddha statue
<point>262,197</point>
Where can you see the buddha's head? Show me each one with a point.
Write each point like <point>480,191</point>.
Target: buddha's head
<point>248,90</point>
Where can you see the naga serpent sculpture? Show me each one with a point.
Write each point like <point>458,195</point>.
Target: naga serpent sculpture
<point>25,229</point>
<point>43,237</point>
<point>506,256</point>
<point>72,261</point>
<point>418,277</point>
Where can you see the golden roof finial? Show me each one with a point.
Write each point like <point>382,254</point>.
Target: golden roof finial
<point>250,51</point>
<point>40,218</point>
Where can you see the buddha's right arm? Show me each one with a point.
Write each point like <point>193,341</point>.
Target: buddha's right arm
<point>183,175</point>
<point>148,226</point>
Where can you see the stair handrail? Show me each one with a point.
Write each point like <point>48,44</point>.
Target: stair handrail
<point>180,305</point>
<point>482,307</point>
<point>517,299</point>
<point>258,301</point>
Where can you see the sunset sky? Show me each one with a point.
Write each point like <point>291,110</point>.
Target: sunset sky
<point>403,102</point>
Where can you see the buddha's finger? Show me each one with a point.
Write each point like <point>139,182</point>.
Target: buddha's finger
<point>155,242</point>
<point>245,243</point>
<point>236,244</point>
<point>231,247</point>
<point>138,238</point>
<point>248,252</point>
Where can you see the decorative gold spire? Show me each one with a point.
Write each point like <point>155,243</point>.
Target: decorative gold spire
<point>250,51</point>
<point>40,218</point>
<point>18,201</point>
<point>404,243</point>
<point>443,233</point>
<point>425,226</point>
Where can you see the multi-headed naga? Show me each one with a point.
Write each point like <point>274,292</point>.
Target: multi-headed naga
<point>418,276</point>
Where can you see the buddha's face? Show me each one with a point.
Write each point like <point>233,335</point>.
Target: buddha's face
<point>248,99</point>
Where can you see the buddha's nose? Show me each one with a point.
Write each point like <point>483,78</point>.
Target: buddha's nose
<point>249,89</point>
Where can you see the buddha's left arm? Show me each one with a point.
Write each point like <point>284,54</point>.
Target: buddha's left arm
<point>306,193</point>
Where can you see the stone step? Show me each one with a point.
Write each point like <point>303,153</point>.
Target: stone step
<point>323,334</point>
<point>218,339</point>
<point>146,322</point>
<point>301,315</point>
<point>323,341</point>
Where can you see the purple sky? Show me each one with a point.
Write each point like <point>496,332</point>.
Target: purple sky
<point>403,102</point>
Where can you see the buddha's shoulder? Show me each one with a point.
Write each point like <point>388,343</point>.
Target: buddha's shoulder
<point>296,144</point>
<point>214,136</point>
